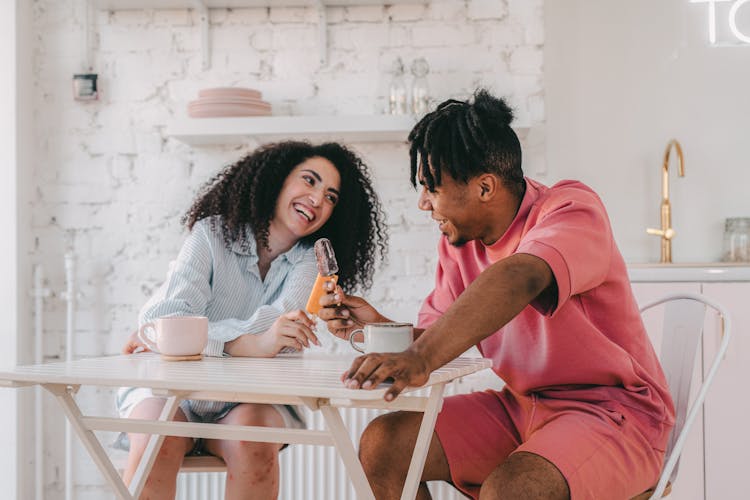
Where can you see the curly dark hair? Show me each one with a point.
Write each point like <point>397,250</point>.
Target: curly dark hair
<point>465,140</point>
<point>244,196</point>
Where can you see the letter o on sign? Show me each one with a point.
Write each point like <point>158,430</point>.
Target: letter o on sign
<point>733,21</point>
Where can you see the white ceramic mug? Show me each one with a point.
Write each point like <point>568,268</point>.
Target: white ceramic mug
<point>176,335</point>
<point>384,337</point>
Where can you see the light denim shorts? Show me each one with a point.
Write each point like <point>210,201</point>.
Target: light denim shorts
<point>195,411</point>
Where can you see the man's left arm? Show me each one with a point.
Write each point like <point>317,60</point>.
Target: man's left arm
<point>499,293</point>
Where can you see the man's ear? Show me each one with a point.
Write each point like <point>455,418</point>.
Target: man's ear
<point>487,185</point>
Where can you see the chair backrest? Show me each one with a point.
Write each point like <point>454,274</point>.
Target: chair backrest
<point>684,317</point>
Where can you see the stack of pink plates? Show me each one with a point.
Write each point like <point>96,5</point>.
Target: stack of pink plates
<point>228,101</point>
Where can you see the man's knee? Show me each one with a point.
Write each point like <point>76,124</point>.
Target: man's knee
<point>525,475</point>
<point>385,439</point>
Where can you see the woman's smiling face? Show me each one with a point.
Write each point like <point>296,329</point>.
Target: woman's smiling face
<point>308,197</point>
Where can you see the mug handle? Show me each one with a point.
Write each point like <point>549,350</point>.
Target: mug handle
<point>143,336</point>
<point>351,340</point>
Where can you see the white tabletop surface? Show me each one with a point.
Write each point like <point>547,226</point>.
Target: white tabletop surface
<point>293,375</point>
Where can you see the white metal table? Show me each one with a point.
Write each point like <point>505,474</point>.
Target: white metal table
<point>313,380</point>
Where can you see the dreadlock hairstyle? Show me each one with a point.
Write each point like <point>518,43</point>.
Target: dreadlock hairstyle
<point>465,140</point>
<point>244,195</point>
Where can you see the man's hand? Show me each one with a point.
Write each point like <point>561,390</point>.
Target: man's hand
<point>134,344</point>
<point>405,368</point>
<point>345,313</point>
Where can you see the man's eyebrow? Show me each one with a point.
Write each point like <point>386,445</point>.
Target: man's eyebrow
<point>320,179</point>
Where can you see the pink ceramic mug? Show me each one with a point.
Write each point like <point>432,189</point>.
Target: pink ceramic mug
<point>176,335</point>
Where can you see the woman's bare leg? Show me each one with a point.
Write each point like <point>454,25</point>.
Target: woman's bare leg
<point>252,468</point>
<point>162,481</point>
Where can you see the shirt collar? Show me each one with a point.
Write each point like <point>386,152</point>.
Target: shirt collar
<point>248,246</point>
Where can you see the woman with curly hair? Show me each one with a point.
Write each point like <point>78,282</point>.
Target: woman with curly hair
<point>249,265</point>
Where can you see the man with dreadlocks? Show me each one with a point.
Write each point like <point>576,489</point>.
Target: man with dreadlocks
<point>532,276</point>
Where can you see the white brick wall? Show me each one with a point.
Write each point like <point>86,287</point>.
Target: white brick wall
<point>112,186</point>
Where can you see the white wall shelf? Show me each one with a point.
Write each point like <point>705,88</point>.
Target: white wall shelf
<point>236,4</point>
<point>347,128</point>
<point>353,128</point>
<point>202,6</point>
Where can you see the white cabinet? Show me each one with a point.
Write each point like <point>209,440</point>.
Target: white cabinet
<point>727,442</point>
<point>714,461</point>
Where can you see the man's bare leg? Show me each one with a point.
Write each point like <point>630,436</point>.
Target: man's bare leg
<point>385,451</point>
<point>525,476</point>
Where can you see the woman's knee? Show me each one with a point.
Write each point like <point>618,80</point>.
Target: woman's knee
<point>259,415</point>
<point>172,446</point>
<point>250,453</point>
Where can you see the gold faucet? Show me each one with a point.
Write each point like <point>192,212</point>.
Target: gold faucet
<point>666,232</point>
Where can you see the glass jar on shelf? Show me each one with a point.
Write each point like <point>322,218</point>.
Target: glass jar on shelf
<point>420,91</point>
<point>737,239</point>
<point>397,100</point>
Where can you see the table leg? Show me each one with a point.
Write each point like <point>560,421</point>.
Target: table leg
<point>422,446</point>
<point>97,453</point>
<point>348,453</point>
<point>152,449</point>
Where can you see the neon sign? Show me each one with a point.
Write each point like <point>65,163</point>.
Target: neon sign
<point>732,19</point>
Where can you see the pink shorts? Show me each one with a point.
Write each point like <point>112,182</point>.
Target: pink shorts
<point>604,450</point>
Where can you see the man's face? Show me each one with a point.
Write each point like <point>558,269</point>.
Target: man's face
<point>451,204</point>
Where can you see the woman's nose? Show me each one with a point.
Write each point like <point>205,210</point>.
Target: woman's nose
<point>315,198</point>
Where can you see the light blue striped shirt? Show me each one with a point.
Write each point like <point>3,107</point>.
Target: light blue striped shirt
<point>224,284</point>
<point>208,279</point>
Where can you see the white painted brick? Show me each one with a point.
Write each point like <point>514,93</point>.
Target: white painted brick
<point>536,109</point>
<point>134,38</point>
<point>364,13</point>
<point>526,61</point>
<point>128,18</point>
<point>435,35</point>
<point>172,17</point>
<point>335,15</point>
<point>357,37</point>
<point>508,34</point>
<point>300,37</point>
<point>261,38</point>
<point>487,9</point>
<point>293,15</point>
<point>242,16</point>
<point>530,14</point>
<point>406,12</point>
<point>233,37</point>
<point>448,11</point>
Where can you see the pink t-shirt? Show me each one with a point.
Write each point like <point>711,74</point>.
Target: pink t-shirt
<point>586,344</point>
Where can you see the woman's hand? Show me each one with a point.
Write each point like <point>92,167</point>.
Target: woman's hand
<point>345,313</point>
<point>134,344</point>
<point>293,329</point>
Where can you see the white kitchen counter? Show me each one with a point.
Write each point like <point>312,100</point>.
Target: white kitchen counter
<point>694,272</point>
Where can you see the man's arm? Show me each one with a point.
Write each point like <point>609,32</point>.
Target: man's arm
<point>499,293</point>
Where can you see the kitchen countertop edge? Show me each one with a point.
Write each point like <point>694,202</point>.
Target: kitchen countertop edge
<point>691,272</point>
